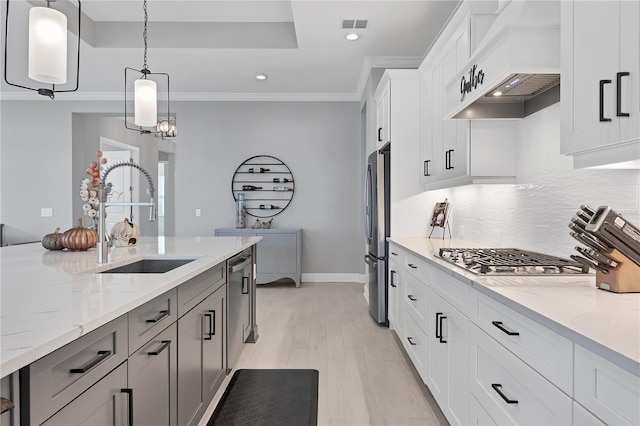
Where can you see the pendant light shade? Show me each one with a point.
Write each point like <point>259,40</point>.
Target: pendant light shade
<point>149,93</point>
<point>47,56</point>
<point>146,103</point>
<point>47,45</point>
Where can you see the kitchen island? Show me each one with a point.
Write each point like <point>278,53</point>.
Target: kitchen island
<point>54,299</point>
<point>514,349</point>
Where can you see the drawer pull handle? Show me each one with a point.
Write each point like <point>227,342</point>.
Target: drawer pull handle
<point>129,392</point>
<point>165,345</point>
<point>411,342</point>
<point>245,285</point>
<point>207,335</point>
<point>508,332</point>
<point>393,274</point>
<point>496,387</point>
<point>411,265</point>
<point>102,355</point>
<point>213,323</point>
<point>412,298</point>
<point>394,253</point>
<point>160,317</point>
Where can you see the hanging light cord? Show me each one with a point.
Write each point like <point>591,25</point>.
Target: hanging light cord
<point>145,69</point>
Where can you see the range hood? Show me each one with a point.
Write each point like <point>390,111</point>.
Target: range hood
<point>517,96</point>
<point>513,75</point>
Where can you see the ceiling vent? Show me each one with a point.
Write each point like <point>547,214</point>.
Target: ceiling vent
<point>350,24</point>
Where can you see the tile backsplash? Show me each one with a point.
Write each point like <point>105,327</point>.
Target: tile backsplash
<point>534,213</point>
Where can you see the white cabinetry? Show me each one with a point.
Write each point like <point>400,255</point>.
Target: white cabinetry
<point>455,151</point>
<point>448,368</point>
<point>383,114</point>
<point>396,289</point>
<point>600,81</point>
<point>606,390</point>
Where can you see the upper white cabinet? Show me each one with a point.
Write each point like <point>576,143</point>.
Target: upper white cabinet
<point>600,81</point>
<point>456,151</point>
<point>383,111</point>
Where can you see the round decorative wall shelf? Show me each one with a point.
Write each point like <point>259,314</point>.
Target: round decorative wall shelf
<point>267,184</point>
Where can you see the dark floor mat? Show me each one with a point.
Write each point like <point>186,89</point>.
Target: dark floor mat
<point>269,397</point>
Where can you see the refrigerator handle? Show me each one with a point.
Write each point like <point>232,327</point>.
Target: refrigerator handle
<point>370,261</point>
<point>367,205</point>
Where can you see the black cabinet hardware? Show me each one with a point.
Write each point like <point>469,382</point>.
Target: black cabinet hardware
<point>448,164</point>
<point>394,253</point>
<point>129,393</point>
<point>426,168</point>
<point>213,323</point>
<point>160,316</point>
<point>165,345</point>
<point>379,134</point>
<point>245,285</point>
<point>602,117</point>
<point>496,387</point>
<point>412,266</point>
<point>102,355</point>
<point>619,112</point>
<point>207,335</point>
<point>410,296</point>
<point>439,326</point>
<point>392,283</point>
<point>411,342</point>
<point>498,324</point>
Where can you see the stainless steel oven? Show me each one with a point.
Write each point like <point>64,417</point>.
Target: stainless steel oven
<point>239,304</point>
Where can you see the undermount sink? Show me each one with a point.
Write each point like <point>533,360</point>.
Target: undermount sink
<point>149,266</point>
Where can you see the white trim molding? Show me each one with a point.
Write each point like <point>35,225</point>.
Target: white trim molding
<point>333,278</point>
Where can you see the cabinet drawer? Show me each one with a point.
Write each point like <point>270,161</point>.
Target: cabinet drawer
<point>582,417</point>
<point>199,287</point>
<point>605,389</point>
<point>416,266</point>
<point>547,352</point>
<point>416,344</point>
<point>511,391</point>
<point>151,318</point>
<point>415,300</point>
<point>450,289</point>
<point>61,376</point>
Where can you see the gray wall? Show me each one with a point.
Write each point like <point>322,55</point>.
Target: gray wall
<point>319,141</point>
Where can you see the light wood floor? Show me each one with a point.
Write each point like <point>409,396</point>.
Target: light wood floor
<point>364,378</point>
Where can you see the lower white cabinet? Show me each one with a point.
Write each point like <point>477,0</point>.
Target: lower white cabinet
<point>108,402</point>
<point>583,417</point>
<point>396,289</point>
<point>152,378</point>
<point>606,390</point>
<point>511,391</point>
<point>201,368</point>
<point>448,364</point>
<point>416,345</point>
<point>478,415</point>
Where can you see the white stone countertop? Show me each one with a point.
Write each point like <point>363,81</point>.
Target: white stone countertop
<point>604,322</point>
<point>50,298</point>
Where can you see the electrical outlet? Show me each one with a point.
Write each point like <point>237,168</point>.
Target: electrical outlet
<point>460,231</point>
<point>46,212</point>
<point>197,212</point>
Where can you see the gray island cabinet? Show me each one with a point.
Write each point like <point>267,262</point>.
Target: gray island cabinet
<point>278,254</point>
<point>158,363</point>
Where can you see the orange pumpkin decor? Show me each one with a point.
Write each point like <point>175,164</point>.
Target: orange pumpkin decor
<point>79,238</point>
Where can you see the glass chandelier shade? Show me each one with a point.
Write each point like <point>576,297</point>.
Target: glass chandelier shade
<point>46,59</point>
<point>47,45</point>
<point>150,93</point>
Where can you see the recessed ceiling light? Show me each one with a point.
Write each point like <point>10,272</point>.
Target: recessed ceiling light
<point>497,93</point>
<point>352,37</point>
<point>261,77</point>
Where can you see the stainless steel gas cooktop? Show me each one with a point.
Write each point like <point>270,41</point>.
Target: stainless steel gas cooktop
<point>510,261</point>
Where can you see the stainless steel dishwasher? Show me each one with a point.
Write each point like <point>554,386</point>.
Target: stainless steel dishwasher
<point>238,304</point>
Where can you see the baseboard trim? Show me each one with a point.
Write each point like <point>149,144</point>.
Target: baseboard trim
<point>332,278</point>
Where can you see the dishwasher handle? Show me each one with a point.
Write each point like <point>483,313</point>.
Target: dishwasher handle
<point>240,265</point>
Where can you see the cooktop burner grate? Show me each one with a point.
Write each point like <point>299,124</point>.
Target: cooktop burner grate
<point>510,261</point>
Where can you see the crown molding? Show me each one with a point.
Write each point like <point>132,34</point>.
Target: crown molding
<point>371,62</point>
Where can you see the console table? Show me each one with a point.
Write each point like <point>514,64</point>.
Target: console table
<point>277,255</point>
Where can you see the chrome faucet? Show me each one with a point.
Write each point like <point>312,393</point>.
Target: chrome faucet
<point>103,252</point>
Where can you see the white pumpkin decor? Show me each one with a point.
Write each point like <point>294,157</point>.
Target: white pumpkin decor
<point>125,234</point>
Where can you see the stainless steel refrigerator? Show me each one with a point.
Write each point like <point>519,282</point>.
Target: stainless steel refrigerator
<point>376,224</point>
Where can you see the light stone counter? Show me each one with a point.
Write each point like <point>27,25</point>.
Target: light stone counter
<point>50,298</point>
<point>603,322</point>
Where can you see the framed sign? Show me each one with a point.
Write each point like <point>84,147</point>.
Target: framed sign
<point>440,217</point>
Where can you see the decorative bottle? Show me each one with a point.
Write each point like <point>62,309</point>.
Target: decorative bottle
<point>241,211</point>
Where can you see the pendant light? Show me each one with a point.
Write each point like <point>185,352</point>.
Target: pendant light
<point>149,90</point>
<point>47,48</point>
<point>166,128</point>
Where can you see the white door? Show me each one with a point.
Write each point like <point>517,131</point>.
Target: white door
<point>121,191</point>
